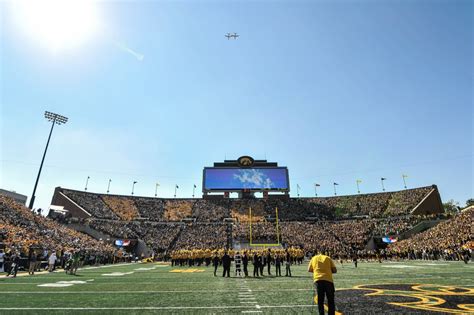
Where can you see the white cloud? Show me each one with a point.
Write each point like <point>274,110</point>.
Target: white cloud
<point>254,177</point>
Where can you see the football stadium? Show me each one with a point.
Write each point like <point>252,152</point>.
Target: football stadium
<point>236,157</point>
<point>396,252</point>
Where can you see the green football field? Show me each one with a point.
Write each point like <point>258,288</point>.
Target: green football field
<point>387,288</point>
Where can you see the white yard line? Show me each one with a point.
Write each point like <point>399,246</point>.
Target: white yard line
<point>140,292</point>
<point>246,296</point>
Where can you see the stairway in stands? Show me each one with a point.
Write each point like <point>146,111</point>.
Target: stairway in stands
<point>173,242</point>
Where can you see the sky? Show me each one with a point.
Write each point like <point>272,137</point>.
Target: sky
<point>334,90</point>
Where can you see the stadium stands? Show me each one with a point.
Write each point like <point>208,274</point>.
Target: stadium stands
<point>443,240</point>
<point>201,236</point>
<point>340,225</point>
<point>24,229</point>
<point>123,207</point>
<point>376,205</point>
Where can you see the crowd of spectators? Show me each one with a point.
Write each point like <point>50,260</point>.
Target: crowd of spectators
<point>202,235</point>
<point>210,210</point>
<point>377,205</point>
<point>340,225</point>
<point>152,209</point>
<point>123,207</point>
<point>445,239</point>
<point>92,203</point>
<point>22,230</point>
<point>402,202</point>
<point>394,226</point>
<point>177,210</point>
<point>156,235</point>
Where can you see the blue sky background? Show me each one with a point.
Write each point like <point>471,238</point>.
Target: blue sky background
<point>335,90</point>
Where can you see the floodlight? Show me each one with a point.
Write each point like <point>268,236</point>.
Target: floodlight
<point>55,119</point>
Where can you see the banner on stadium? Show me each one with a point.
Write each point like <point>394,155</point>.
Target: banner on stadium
<point>122,243</point>
<point>389,239</point>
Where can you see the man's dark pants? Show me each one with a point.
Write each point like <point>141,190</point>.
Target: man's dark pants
<point>324,287</point>
<point>226,271</point>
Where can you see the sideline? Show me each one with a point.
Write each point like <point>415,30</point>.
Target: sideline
<point>25,273</point>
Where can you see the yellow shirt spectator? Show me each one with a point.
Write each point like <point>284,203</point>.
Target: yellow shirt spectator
<point>322,268</point>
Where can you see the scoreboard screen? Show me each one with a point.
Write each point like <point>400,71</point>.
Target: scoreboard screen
<point>254,179</point>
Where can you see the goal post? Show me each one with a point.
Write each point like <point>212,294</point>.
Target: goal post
<point>277,230</point>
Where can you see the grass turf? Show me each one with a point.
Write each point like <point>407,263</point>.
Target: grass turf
<point>160,291</point>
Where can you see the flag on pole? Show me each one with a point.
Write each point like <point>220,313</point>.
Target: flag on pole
<point>317,185</point>
<point>157,184</point>
<point>177,186</point>
<point>298,186</point>
<point>359,181</point>
<point>194,185</point>
<point>383,178</point>
<point>335,184</point>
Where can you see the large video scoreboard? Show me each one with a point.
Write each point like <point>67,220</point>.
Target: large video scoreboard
<point>245,174</point>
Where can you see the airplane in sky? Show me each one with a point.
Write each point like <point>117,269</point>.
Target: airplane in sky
<point>229,36</point>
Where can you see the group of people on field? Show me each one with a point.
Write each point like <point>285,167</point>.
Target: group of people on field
<point>13,260</point>
<point>259,261</point>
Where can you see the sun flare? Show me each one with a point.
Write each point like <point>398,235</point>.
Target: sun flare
<point>57,24</point>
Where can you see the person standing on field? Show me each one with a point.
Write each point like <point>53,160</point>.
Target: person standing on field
<point>256,266</point>
<point>215,263</point>
<point>288,264</point>
<point>322,268</point>
<point>32,259</point>
<point>269,260</point>
<point>52,261</point>
<point>226,261</point>
<point>278,265</point>
<point>245,262</point>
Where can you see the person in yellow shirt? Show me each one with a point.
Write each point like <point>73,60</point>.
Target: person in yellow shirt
<point>322,268</point>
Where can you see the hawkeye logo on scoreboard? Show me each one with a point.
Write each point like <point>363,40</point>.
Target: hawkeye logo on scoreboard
<point>245,161</point>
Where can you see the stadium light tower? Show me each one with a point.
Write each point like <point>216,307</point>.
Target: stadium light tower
<point>54,119</point>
